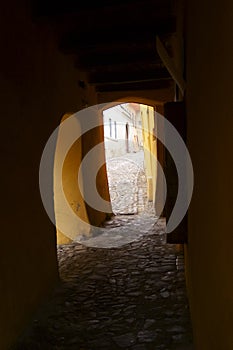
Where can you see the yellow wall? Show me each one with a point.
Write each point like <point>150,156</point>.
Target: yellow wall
<point>210,139</point>
<point>150,149</point>
<point>71,224</point>
<point>38,85</point>
<point>90,139</point>
<point>70,209</point>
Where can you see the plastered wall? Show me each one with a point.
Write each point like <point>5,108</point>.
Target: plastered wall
<point>69,207</point>
<point>38,85</point>
<point>209,255</point>
<point>150,149</point>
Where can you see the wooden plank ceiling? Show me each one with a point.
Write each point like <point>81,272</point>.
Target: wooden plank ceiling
<point>113,41</point>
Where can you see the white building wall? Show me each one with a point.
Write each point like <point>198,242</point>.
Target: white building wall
<point>115,121</point>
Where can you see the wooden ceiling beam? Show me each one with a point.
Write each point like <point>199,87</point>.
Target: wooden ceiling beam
<point>111,62</point>
<point>128,77</point>
<point>133,86</point>
<point>82,40</point>
<point>58,8</point>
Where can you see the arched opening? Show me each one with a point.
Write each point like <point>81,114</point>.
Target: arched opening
<point>131,154</point>
<point>129,294</point>
<point>138,151</point>
<point>148,107</point>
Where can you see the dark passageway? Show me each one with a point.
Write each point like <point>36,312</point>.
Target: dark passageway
<point>63,57</point>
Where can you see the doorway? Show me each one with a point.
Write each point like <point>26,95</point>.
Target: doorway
<point>130,149</point>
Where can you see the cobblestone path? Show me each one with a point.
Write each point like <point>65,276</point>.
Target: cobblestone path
<point>127,183</point>
<point>131,297</point>
<point>122,289</point>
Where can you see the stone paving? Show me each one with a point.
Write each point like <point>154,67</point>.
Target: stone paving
<point>130,295</point>
<point>128,192</point>
<point>124,175</point>
<point>119,231</point>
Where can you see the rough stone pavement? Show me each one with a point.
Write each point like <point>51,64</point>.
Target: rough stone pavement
<point>131,297</point>
<point>128,192</point>
<point>124,289</point>
<point>127,183</point>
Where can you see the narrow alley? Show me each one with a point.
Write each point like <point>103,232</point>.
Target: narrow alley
<point>129,295</point>
<point>86,82</point>
<point>127,183</point>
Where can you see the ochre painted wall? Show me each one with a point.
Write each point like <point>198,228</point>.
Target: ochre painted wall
<point>210,139</point>
<point>69,206</point>
<point>90,139</point>
<point>38,85</point>
<point>150,149</point>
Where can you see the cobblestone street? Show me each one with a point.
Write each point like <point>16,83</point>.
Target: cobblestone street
<point>126,296</point>
<point>127,183</point>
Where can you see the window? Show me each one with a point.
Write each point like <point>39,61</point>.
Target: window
<point>115,128</point>
<point>110,127</point>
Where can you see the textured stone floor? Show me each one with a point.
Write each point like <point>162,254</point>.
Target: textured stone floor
<point>131,297</point>
<point>124,289</point>
<point>128,191</point>
<point>127,183</point>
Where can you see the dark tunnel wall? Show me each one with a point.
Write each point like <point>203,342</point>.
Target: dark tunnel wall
<point>210,140</point>
<point>38,85</point>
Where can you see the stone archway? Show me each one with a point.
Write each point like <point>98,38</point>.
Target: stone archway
<point>155,183</point>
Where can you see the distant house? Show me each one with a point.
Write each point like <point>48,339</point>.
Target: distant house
<point>122,130</point>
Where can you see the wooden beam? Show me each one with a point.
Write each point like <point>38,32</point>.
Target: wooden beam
<point>134,86</point>
<point>146,44</point>
<point>139,17</point>
<point>84,39</point>
<point>54,8</point>
<point>112,61</point>
<point>128,76</point>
